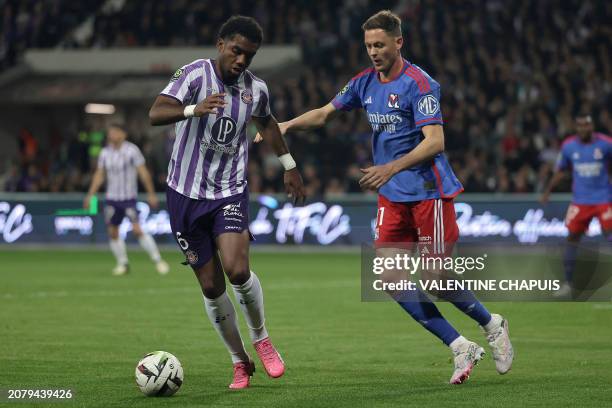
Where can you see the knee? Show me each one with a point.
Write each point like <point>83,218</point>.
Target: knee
<point>113,233</point>
<point>137,230</point>
<point>210,290</point>
<point>237,272</point>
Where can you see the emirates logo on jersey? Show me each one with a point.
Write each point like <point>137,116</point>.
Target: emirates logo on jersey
<point>393,101</point>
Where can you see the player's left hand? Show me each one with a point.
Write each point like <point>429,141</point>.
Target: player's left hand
<point>376,176</point>
<point>153,202</point>
<point>294,186</point>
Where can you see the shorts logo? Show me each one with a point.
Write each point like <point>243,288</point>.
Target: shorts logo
<point>232,210</point>
<point>428,105</point>
<point>393,101</point>
<point>177,74</point>
<point>223,131</point>
<point>247,96</point>
<point>192,257</point>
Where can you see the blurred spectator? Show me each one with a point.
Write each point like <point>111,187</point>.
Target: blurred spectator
<point>513,74</point>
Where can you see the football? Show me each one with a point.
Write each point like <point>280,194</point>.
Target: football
<point>159,374</point>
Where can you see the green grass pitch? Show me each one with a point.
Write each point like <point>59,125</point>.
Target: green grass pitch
<point>65,322</point>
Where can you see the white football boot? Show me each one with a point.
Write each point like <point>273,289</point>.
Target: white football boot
<point>467,355</point>
<point>121,270</point>
<point>499,341</point>
<point>162,267</point>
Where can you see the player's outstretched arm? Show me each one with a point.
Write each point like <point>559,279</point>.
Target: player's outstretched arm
<point>96,182</point>
<point>167,110</point>
<point>147,181</point>
<point>433,143</point>
<point>294,186</point>
<point>554,182</point>
<point>310,120</point>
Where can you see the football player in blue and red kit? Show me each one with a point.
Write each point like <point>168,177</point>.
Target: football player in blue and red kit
<point>414,180</point>
<point>588,155</point>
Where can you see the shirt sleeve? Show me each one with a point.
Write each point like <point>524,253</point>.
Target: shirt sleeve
<point>180,86</point>
<point>425,103</point>
<point>262,109</point>
<point>137,156</point>
<point>348,97</point>
<point>563,160</point>
<point>101,160</point>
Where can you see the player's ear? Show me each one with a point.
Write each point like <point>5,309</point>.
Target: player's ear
<point>399,41</point>
<point>220,44</point>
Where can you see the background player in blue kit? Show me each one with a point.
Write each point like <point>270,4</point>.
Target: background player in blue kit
<point>589,157</point>
<point>414,180</point>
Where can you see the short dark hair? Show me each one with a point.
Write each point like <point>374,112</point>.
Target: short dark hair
<point>584,114</point>
<point>247,27</point>
<point>118,125</point>
<point>385,20</point>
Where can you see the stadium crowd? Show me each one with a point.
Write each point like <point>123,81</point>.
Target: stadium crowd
<point>513,75</point>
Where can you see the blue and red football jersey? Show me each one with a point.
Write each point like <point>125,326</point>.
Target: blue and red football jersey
<point>397,110</point>
<point>590,164</point>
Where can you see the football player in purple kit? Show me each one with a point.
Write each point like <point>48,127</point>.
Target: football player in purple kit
<point>589,156</point>
<point>415,182</point>
<point>120,164</point>
<point>212,101</point>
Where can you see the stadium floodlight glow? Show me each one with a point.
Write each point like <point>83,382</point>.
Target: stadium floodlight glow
<point>100,108</point>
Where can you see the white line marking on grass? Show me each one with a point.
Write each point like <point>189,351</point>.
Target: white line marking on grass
<point>347,283</point>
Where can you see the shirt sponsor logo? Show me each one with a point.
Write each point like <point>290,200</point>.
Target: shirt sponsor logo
<point>428,105</point>
<point>384,122</point>
<point>223,130</point>
<point>592,169</point>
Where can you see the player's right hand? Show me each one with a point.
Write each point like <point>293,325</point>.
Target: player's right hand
<point>283,129</point>
<point>86,201</point>
<point>210,105</point>
<point>544,198</point>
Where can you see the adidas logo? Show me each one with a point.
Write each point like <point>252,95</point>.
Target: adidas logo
<point>368,100</point>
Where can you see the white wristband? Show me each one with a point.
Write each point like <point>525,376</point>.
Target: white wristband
<point>189,111</point>
<point>287,161</point>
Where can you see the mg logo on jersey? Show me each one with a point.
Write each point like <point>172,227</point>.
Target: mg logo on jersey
<point>224,130</point>
<point>393,101</point>
<point>428,105</point>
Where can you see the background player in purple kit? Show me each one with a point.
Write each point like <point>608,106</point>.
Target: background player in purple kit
<point>589,156</point>
<point>415,182</point>
<point>119,163</point>
<point>212,101</point>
